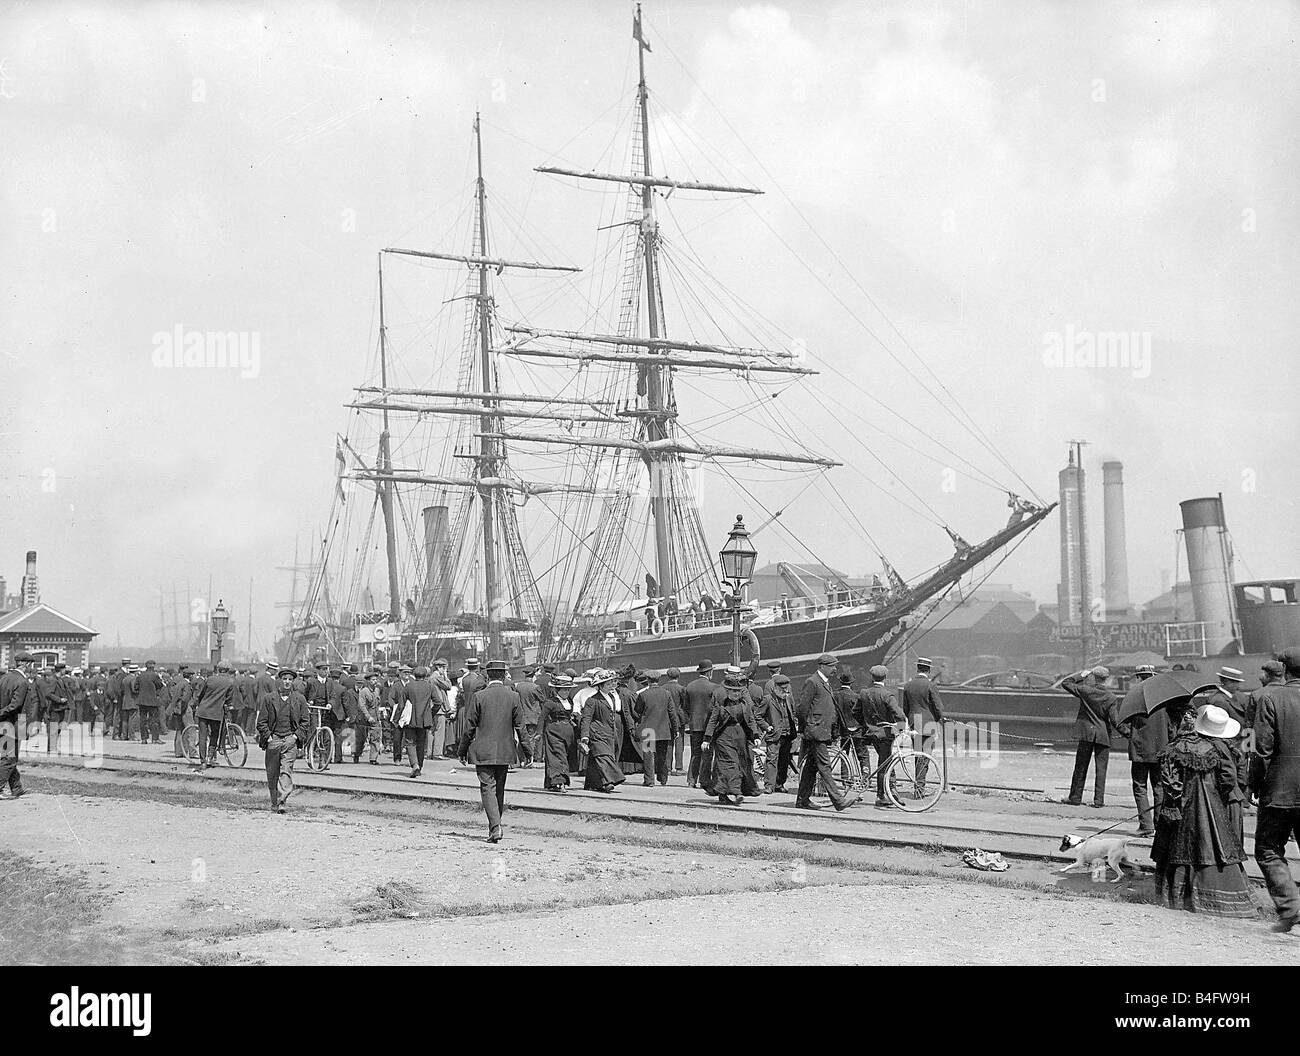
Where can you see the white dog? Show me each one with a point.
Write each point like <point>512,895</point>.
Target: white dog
<point>1091,849</point>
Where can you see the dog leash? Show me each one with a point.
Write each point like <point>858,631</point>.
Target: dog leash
<point>1123,821</point>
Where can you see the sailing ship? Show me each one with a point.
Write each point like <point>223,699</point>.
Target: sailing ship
<point>586,422</point>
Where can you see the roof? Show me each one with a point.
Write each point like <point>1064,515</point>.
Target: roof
<point>42,619</point>
<point>987,616</point>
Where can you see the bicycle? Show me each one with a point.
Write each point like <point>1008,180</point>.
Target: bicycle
<point>913,779</point>
<point>231,741</point>
<point>320,744</point>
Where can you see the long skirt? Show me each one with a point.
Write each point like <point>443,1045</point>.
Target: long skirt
<point>602,771</point>
<point>557,747</point>
<point>1220,890</point>
<point>732,774</point>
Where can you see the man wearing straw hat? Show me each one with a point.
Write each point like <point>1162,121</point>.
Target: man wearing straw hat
<point>1229,696</point>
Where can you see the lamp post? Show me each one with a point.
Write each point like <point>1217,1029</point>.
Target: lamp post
<point>220,621</point>
<point>738,558</point>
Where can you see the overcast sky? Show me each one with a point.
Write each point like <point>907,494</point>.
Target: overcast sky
<point>998,179</point>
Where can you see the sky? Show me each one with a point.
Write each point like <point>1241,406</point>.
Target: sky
<point>958,197</point>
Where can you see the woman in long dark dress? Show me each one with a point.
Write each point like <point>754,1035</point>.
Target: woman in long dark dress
<point>558,734</point>
<point>602,734</point>
<point>1197,853</point>
<point>729,731</point>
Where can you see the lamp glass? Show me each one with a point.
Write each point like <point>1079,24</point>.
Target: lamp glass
<point>738,556</point>
<point>220,618</point>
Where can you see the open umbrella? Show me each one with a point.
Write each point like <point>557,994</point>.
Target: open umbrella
<point>1159,691</point>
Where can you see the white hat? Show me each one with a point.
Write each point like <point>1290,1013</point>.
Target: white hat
<point>1231,674</point>
<point>1215,722</point>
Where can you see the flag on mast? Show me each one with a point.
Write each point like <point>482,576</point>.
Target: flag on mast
<point>636,30</point>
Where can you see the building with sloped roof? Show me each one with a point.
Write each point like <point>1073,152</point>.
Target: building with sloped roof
<point>49,635</point>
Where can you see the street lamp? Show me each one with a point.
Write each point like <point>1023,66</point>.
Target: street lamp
<point>738,558</point>
<point>220,621</point>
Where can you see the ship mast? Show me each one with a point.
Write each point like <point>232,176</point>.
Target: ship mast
<point>656,424</point>
<point>385,486</point>
<point>488,445</point>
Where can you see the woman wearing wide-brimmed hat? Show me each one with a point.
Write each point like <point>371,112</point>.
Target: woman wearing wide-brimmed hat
<point>1197,851</point>
<point>729,731</point>
<point>558,719</point>
<point>602,733</point>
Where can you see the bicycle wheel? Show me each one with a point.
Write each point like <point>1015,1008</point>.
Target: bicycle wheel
<point>914,781</point>
<point>235,748</point>
<point>190,742</point>
<point>320,749</point>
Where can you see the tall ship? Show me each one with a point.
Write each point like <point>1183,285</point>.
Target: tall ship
<point>514,487</point>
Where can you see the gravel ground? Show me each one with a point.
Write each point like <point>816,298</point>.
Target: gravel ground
<point>212,877</point>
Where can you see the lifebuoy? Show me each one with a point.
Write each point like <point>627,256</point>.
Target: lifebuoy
<point>657,627</point>
<point>755,653</point>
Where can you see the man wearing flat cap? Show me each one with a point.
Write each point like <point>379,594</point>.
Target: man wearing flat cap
<point>1275,778</point>
<point>530,700</point>
<point>879,719</point>
<point>494,724</point>
<point>14,690</point>
<point>817,716</point>
<point>1092,728</point>
<point>776,716</point>
<point>212,702</point>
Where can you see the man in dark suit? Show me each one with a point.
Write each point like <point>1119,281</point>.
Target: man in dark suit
<point>776,717</point>
<point>530,700</point>
<point>879,720</point>
<point>672,682</point>
<point>151,696</point>
<point>494,723</point>
<point>14,689</point>
<point>699,704</point>
<point>211,703</point>
<point>816,716</point>
<point>1092,728</point>
<point>1147,737</point>
<point>282,732</point>
<point>113,695</point>
<point>920,697</point>
<point>53,699</point>
<point>655,713</point>
<point>130,699</point>
<point>1275,778</point>
<point>414,714</point>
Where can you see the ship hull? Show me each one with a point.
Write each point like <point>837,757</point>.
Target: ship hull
<point>857,639</point>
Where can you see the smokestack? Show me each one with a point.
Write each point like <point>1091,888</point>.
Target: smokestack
<point>436,587</point>
<point>1209,567</point>
<point>1069,592</point>
<point>31,586</point>
<point>1116,552</point>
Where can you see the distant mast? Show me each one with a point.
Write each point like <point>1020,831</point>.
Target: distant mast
<point>385,485</point>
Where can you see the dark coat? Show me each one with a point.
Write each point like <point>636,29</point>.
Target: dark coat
<point>1148,735</point>
<point>920,696</point>
<point>530,701</point>
<point>14,688</point>
<point>130,701</point>
<point>699,701</point>
<point>655,715</point>
<point>1096,704</point>
<point>558,737</point>
<point>283,717</point>
<point>846,701</point>
<point>218,693</point>
<point>775,715</point>
<point>420,693</point>
<point>1276,774</point>
<point>494,722</point>
<point>729,730</point>
<point>150,689</point>
<point>602,729</point>
<point>876,710</point>
<point>816,713</point>
<point>1198,776</point>
<point>51,694</point>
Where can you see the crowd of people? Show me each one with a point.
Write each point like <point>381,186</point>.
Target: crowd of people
<point>1207,760</point>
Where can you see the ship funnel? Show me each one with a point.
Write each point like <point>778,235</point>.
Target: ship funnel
<point>1116,552</point>
<point>1209,567</point>
<point>436,586</point>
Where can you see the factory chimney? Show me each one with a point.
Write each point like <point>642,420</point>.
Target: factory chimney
<point>1073,587</point>
<point>1209,566</point>
<point>1116,553</point>
<point>31,586</point>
